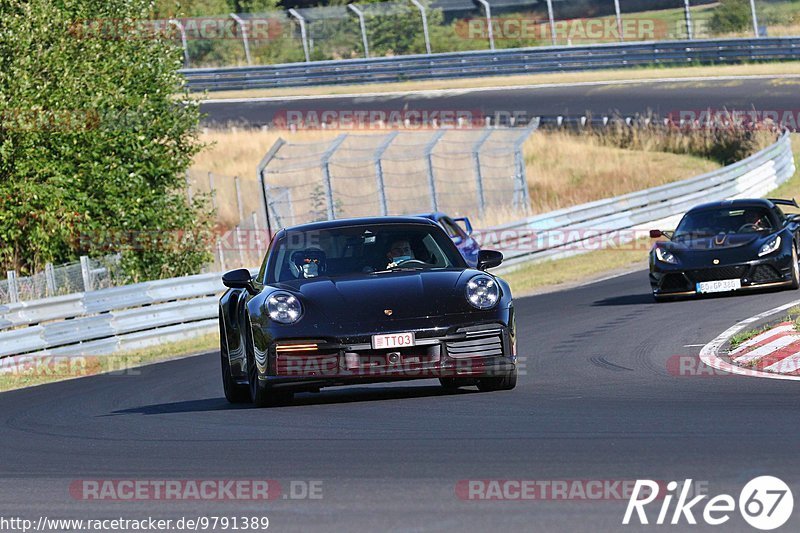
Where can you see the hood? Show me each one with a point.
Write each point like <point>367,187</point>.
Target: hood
<point>365,297</point>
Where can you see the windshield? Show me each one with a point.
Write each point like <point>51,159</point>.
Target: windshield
<point>361,249</point>
<point>715,221</point>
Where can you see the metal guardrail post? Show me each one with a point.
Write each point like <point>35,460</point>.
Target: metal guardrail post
<point>619,20</point>
<point>326,174</point>
<point>423,13</point>
<point>379,171</point>
<point>13,288</point>
<point>303,32</point>
<point>488,9</point>
<point>476,158</point>
<point>755,18</point>
<point>552,21</point>
<point>262,166</point>
<point>177,23</point>
<point>86,273</point>
<point>363,25</point>
<point>239,203</point>
<point>50,279</point>
<point>428,151</point>
<point>242,27</point>
<point>688,15</point>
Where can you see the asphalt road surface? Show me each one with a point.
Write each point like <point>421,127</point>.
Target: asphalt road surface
<point>776,95</point>
<point>597,401</point>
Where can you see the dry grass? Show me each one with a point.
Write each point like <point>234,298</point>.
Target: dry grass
<point>758,69</point>
<point>562,169</point>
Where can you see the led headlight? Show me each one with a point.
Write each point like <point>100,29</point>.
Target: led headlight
<point>284,307</point>
<point>665,256</point>
<point>770,247</point>
<point>483,292</point>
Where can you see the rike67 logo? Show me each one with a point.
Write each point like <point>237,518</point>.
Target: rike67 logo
<point>765,503</point>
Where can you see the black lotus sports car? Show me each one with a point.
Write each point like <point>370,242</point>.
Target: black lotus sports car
<point>727,246</point>
<point>363,301</point>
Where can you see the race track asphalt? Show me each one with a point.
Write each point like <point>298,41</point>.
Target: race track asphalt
<point>661,98</point>
<point>598,400</point>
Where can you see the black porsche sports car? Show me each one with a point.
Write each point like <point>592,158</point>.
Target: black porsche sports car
<point>362,301</point>
<point>727,246</point>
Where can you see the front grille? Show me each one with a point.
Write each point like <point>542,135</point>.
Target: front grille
<point>674,283</point>
<point>765,274</point>
<point>716,274</point>
<point>476,347</point>
<point>318,364</point>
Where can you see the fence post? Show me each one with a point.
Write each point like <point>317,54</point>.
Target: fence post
<point>424,16</point>
<point>362,23</point>
<point>238,187</point>
<point>688,15</point>
<point>257,230</point>
<point>619,20</point>
<point>379,171</point>
<point>238,235</point>
<point>86,273</point>
<point>260,171</point>
<point>13,288</point>
<point>429,165</point>
<point>242,27</point>
<point>326,174</point>
<point>213,190</point>
<point>755,18</point>
<point>521,193</point>
<point>303,32</point>
<point>177,23</point>
<point>476,159</point>
<point>488,9</point>
<point>50,279</point>
<point>221,256</point>
<point>552,21</point>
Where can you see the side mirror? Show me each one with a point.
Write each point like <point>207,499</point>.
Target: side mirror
<point>465,223</point>
<point>239,279</point>
<point>656,233</point>
<point>489,259</point>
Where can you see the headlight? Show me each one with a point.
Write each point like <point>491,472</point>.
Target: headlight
<point>284,308</point>
<point>770,247</point>
<point>483,292</point>
<point>665,256</point>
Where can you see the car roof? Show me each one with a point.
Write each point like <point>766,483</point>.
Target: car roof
<point>740,202</point>
<point>366,221</point>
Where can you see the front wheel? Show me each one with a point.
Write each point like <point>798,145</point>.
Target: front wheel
<point>507,382</point>
<point>234,392</point>
<point>795,269</point>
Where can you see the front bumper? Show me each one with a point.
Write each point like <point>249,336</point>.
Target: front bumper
<point>677,280</point>
<point>472,350</point>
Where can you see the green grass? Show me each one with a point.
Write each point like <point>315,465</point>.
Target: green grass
<point>744,336</point>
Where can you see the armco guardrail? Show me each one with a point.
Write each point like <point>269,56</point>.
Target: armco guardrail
<point>576,227</point>
<point>135,316</point>
<point>494,62</point>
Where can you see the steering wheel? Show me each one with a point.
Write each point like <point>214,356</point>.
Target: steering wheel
<point>407,261</point>
<point>749,225</point>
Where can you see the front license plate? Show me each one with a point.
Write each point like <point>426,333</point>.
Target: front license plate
<point>722,285</point>
<point>392,340</point>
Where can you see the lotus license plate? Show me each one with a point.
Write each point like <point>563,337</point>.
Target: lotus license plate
<point>393,340</point>
<point>722,285</point>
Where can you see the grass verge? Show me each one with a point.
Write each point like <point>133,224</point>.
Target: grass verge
<point>753,69</point>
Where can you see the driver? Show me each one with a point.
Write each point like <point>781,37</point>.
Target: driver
<point>399,252</point>
<point>308,263</point>
<point>756,219</point>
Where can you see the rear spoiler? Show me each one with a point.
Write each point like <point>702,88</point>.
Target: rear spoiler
<point>780,201</point>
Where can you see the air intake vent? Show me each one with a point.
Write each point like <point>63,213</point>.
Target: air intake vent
<point>476,347</point>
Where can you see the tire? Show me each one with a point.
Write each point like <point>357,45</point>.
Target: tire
<point>795,269</point>
<point>260,395</point>
<point>507,382</point>
<point>234,392</point>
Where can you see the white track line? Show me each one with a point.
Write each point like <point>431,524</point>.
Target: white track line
<point>762,337</point>
<point>789,364</point>
<point>763,351</point>
<point>466,90</point>
<point>709,352</point>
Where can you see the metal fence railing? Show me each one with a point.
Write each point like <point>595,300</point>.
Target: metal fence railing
<point>409,27</point>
